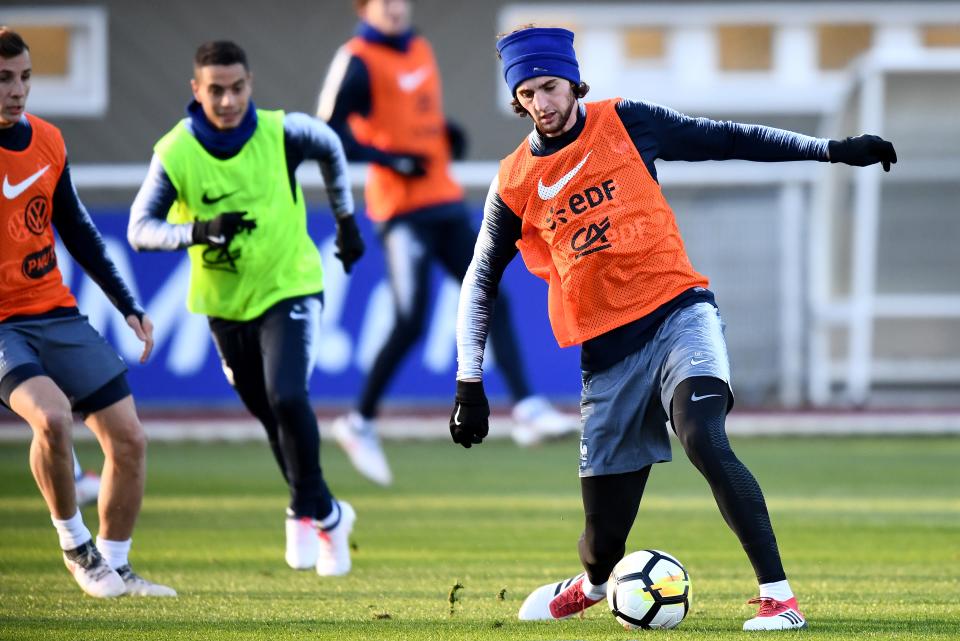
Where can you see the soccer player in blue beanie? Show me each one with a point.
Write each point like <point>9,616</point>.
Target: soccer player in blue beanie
<point>579,198</point>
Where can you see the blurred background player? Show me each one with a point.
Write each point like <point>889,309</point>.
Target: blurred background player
<point>52,362</point>
<point>580,199</point>
<point>87,483</point>
<point>382,95</point>
<point>225,175</point>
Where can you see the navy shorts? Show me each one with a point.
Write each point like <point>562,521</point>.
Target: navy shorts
<point>65,348</point>
<point>624,408</point>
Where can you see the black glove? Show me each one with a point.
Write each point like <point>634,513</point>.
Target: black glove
<point>862,151</point>
<point>457,138</point>
<point>219,231</point>
<point>468,421</point>
<point>350,245</point>
<point>407,165</point>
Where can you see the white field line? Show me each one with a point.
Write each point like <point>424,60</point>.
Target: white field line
<point>435,427</point>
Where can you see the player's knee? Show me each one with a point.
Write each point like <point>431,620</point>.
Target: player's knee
<point>52,425</point>
<point>127,444</point>
<point>695,441</point>
<point>286,404</point>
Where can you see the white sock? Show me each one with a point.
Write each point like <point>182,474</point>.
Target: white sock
<point>72,532</point>
<point>114,552</point>
<point>779,590</point>
<point>77,470</point>
<point>331,519</point>
<point>592,591</point>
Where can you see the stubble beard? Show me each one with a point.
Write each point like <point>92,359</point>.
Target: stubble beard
<point>557,128</point>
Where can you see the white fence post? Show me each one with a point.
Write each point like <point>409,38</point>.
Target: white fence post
<point>791,294</point>
<point>865,232</point>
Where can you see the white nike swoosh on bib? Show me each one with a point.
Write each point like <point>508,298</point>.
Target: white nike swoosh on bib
<point>410,81</point>
<point>546,193</point>
<point>12,191</point>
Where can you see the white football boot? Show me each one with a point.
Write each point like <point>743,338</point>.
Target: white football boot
<point>776,615</point>
<point>136,585</point>
<point>537,420</point>
<point>358,438</point>
<point>559,600</point>
<point>334,553</point>
<point>92,572</point>
<point>303,544</point>
<point>88,488</point>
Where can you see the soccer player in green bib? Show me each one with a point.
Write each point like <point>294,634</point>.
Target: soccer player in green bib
<point>222,184</point>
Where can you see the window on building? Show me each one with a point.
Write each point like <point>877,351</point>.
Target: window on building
<point>644,44</point>
<point>745,47</point>
<point>941,35</point>
<point>838,44</point>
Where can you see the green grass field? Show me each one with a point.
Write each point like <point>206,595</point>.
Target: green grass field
<point>869,530</point>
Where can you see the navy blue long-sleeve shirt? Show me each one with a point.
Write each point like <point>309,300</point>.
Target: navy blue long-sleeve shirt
<point>77,231</point>
<point>657,132</point>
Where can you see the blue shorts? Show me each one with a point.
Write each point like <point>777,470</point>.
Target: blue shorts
<point>65,348</point>
<point>625,408</point>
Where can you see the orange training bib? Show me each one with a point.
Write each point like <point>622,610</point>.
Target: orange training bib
<point>406,116</point>
<point>30,281</point>
<point>597,228</point>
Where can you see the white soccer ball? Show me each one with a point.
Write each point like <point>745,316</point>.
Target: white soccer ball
<point>649,589</point>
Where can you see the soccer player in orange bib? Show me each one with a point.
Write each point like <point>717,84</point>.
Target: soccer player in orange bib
<point>382,95</point>
<point>52,362</point>
<point>580,200</point>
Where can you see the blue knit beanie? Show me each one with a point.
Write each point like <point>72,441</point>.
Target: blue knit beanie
<point>538,51</point>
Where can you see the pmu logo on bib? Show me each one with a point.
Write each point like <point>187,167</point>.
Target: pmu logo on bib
<point>39,264</point>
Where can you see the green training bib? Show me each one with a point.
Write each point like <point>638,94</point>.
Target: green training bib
<point>275,261</point>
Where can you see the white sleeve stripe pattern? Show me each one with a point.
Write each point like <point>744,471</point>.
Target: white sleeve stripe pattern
<point>494,249</point>
<point>331,85</point>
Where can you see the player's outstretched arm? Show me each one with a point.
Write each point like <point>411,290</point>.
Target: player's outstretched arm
<point>661,132</point>
<point>664,133</point>
<point>495,248</point>
<point>863,151</point>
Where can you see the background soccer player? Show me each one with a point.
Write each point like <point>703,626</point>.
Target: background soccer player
<point>52,362</point>
<point>382,95</point>
<point>580,198</point>
<point>226,177</point>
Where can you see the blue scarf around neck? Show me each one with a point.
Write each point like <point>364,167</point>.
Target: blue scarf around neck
<point>371,34</point>
<point>221,143</point>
